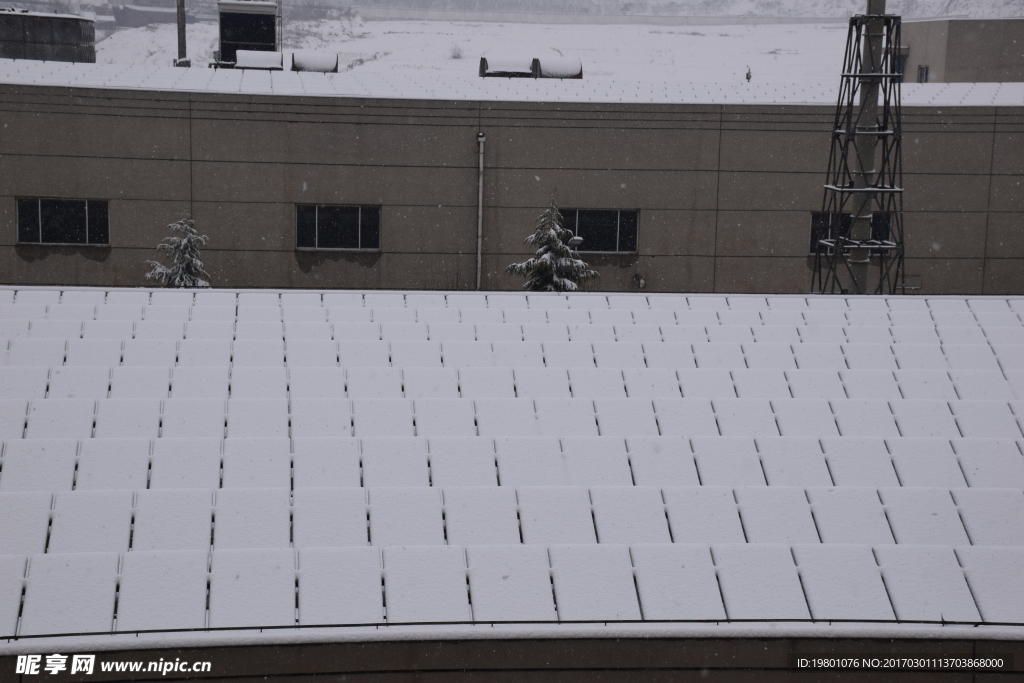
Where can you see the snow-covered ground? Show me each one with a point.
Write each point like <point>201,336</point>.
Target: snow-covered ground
<point>788,53</point>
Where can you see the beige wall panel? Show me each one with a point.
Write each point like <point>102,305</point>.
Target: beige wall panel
<point>947,276</point>
<point>34,265</point>
<point>428,230</point>
<point>677,273</point>
<point>661,274</point>
<point>676,233</point>
<point>1007,193</point>
<point>590,114</point>
<point>764,233</point>
<point>947,152</point>
<point>252,226</point>
<point>1006,237</point>
<point>601,189</point>
<point>506,229</point>
<point>944,235</point>
<point>1004,276</point>
<point>768,275</point>
<point>927,42</point>
<point>92,178</point>
<point>757,150</point>
<point>82,134</point>
<point>316,184</point>
<point>348,270</point>
<point>771,191</point>
<point>985,51</point>
<point>141,224</point>
<point>1008,153</point>
<point>334,143</point>
<point>945,192</point>
<point>8,221</point>
<point>674,148</point>
<point>293,269</point>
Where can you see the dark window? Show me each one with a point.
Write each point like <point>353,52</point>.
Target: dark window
<point>63,221</point>
<point>922,74</point>
<point>899,65</point>
<point>337,227</point>
<point>821,227</point>
<point>603,230</point>
<point>244,31</point>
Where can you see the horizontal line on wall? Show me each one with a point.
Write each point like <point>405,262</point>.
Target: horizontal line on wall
<point>518,255</point>
<point>505,207</point>
<point>472,121</point>
<point>513,109</point>
<point>525,169</point>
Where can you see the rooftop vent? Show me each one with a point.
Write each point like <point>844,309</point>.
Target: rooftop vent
<point>259,59</point>
<point>323,62</point>
<point>512,67</point>
<point>247,25</point>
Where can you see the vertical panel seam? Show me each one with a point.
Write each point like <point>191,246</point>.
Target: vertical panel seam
<point>718,208</point>
<point>988,206</point>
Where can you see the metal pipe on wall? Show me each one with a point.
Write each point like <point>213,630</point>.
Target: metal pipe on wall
<point>181,30</point>
<point>480,139</point>
<point>866,144</point>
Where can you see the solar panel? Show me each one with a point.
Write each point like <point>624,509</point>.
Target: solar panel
<point>456,457</point>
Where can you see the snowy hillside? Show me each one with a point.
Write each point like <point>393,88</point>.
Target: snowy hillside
<point>775,54</point>
<point>717,8</point>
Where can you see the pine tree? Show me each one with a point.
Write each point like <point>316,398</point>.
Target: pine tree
<point>186,269</point>
<point>556,266</point>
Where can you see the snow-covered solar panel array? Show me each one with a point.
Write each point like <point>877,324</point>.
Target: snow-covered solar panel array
<point>391,458</point>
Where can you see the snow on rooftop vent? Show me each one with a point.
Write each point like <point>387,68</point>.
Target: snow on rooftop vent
<point>324,62</point>
<point>247,6</point>
<point>559,67</point>
<point>508,67</point>
<point>259,59</point>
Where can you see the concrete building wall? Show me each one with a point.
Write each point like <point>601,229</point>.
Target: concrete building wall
<point>966,50</point>
<point>725,193</point>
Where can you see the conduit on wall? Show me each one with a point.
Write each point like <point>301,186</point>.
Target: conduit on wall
<point>480,139</point>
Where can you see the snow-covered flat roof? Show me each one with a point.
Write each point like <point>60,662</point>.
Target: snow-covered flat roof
<point>284,466</point>
<point>469,86</point>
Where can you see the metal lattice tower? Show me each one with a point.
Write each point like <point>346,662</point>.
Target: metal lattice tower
<point>859,244</point>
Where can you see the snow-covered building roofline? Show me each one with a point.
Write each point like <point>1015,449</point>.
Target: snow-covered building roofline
<point>27,12</point>
<point>247,6</point>
<point>471,87</point>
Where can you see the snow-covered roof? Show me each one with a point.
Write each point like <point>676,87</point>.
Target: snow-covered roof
<point>279,466</point>
<point>8,11</point>
<point>471,87</point>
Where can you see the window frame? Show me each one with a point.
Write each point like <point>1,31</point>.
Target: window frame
<point>574,229</point>
<point>316,228</point>
<point>39,220</point>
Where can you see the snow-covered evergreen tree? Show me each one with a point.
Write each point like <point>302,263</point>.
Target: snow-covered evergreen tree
<point>556,266</point>
<point>186,269</point>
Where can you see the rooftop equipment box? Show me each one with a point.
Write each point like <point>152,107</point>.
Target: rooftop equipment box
<point>247,25</point>
<point>49,37</point>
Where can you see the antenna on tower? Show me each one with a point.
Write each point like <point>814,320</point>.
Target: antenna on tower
<point>859,236</point>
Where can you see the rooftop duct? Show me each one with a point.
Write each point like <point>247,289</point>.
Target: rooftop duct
<point>517,67</point>
<point>259,59</point>
<point>322,62</point>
